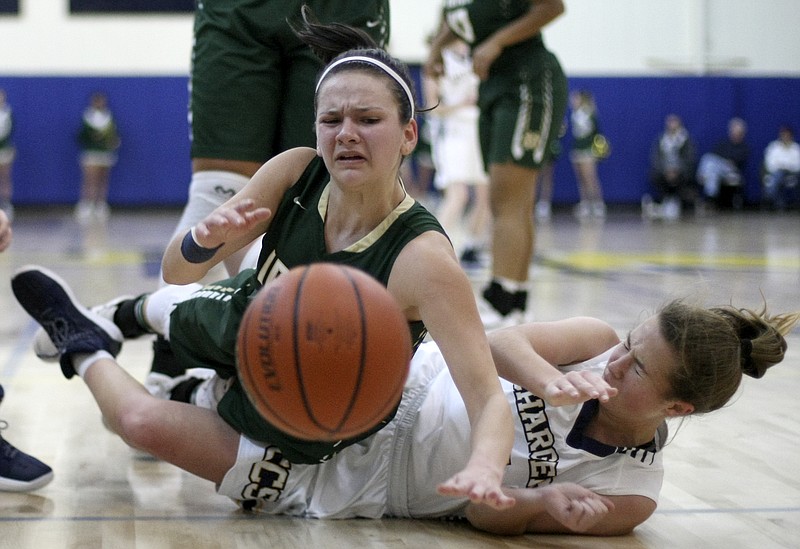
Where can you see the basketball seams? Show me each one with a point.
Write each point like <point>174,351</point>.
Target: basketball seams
<point>362,316</point>
<point>298,370</point>
<point>253,389</point>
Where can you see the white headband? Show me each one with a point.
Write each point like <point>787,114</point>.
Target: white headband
<point>383,66</point>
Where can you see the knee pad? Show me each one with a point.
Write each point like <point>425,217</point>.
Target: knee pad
<point>207,191</point>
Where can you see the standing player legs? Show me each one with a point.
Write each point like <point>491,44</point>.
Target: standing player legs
<point>512,190</point>
<point>512,193</point>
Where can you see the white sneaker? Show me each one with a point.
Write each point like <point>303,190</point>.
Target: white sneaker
<point>83,211</point>
<point>599,209</point>
<point>583,210</point>
<point>43,345</point>
<point>672,209</point>
<point>101,211</point>
<point>543,210</point>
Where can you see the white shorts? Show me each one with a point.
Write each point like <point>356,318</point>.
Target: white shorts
<point>352,484</point>
<point>456,150</point>
<point>7,155</point>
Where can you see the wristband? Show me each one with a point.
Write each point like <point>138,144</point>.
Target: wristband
<point>194,252</point>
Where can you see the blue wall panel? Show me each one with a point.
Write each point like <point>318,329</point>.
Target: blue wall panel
<point>154,164</point>
<point>632,112</point>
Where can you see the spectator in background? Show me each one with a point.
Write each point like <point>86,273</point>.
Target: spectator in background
<point>7,153</point>
<point>99,141</point>
<point>460,174</point>
<point>725,164</point>
<point>781,168</point>
<point>673,160</point>
<point>584,131</point>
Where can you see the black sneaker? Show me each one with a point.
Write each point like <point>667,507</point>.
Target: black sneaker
<point>471,258</point>
<point>20,472</point>
<point>72,327</point>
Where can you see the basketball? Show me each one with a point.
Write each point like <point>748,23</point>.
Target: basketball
<point>323,352</point>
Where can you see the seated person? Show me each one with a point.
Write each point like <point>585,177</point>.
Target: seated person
<point>781,168</point>
<point>672,165</point>
<point>726,162</point>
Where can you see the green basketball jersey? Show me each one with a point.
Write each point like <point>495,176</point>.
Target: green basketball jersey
<point>476,20</point>
<point>296,234</point>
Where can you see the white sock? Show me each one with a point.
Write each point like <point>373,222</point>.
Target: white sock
<point>511,286</point>
<point>82,361</point>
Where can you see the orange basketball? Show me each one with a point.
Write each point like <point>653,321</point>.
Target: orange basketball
<point>323,352</point>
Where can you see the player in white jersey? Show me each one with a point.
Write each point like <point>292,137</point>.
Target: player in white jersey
<point>460,174</point>
<point>394,474</point>
<point>600,424</point>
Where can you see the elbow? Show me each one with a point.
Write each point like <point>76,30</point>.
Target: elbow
<point>173,275</point>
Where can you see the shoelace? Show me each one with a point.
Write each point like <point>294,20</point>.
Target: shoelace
<point>6,449</point>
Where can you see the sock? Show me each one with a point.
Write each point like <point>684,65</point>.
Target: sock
<point>521,300</point>
<point>499,298</point>
<point>182,392</point>
<point>164,360</point>
<point>129,318</point>
<point>82,361</point>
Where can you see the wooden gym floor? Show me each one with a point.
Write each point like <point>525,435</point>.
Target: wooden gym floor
<point>731,477</point>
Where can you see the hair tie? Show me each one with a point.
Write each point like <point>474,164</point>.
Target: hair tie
<point>747,348</point>
<point>748,367</point>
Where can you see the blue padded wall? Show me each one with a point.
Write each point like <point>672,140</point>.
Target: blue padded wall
<point>154,164</point>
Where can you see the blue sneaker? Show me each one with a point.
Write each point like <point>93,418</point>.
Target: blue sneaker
<point>20,472</point>
<point>72,327</point>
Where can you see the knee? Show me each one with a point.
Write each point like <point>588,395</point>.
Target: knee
<point>138,423</point>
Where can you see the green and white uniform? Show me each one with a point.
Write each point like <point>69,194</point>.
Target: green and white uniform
<point>252,84</point>
<point>584,130</point>
<point>524,98</point>
<point>203,329</point>
<point>98,138</point>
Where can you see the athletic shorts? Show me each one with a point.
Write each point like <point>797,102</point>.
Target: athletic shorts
<point>522,112</point>
<point>7,155</point>
<point>456,151</point>
<point>100,159</point>
<point>356,483</point>
<point>202,333</point>
<point>252,82</point>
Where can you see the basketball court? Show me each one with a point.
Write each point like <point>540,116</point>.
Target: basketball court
<point>731,477</point>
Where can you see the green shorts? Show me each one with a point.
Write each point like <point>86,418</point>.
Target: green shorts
<point>252,82</point>
<point>203,333</point>
<point>522,112</point>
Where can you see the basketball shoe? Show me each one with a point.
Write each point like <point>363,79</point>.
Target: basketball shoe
<point>20,472</point>
<point>44,347</point>
<point>71,327</point>
<point>500,308</point>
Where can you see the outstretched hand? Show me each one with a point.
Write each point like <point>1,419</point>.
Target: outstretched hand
<point>480,485</point>
<point>574,506</point>
<point>576,387</point>
<point>229,222</point>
